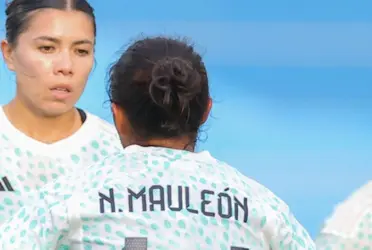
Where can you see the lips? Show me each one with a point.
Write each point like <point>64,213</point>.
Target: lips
<point>61,89</point>
<point>64,87</point>
<point>61,92</point>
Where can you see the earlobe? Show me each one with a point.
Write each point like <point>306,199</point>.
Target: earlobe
<point>6,49</point>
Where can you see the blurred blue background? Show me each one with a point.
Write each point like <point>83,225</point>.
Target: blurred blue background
<point>292,81</point>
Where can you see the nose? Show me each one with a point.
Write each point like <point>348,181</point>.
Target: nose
<point>63,64</point>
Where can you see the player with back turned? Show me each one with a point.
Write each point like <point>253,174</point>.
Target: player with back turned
<point>158,193</point>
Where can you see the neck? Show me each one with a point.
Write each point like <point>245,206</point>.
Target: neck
<point>41,128</point>
<point>181,143</point>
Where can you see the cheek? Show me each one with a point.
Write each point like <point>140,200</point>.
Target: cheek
<point>33,66</point>
<point>32,72</point>
<point>82,70</point>
<point>86,67</point>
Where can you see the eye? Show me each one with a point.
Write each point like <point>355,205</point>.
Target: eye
<point>82,52</point>
<point>46,49</point>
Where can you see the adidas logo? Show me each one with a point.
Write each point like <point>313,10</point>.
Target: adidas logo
<point>5,185</point>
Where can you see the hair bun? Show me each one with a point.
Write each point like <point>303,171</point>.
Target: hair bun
<point>174,82</point>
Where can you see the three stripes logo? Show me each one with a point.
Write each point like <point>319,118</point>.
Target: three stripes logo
<point>5,185</point>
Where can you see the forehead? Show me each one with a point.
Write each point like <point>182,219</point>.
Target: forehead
<point>62,24</point>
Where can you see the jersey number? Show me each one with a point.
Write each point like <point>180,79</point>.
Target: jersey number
<point>140,243</point>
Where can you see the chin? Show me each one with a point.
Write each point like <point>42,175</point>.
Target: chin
<point>56,110</point>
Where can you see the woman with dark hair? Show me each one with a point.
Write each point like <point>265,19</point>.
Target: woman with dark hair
<point>49,46</point>
<point>157,193</point>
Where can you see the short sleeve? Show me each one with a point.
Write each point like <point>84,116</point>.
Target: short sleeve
<point>357,234</point>
<point>291,234</point>
<point>350,225</point>
<point>334,242</point>
<point>39,226</point>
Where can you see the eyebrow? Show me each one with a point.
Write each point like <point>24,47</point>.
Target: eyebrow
<point>56,40</point>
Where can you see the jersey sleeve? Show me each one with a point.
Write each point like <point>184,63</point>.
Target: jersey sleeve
<point>39,226</point>
<point>291,234</point>
<point>349,226</point>
<point>334,242</point>
<point>52,217</point>
<point>346,232</point>
<point>48,220</point>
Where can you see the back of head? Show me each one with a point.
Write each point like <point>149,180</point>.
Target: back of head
<point>162,86</point>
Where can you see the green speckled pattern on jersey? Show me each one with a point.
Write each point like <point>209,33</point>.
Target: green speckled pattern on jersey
<point>360,239</point>
<point>28,171</point>
<point>350,226</point>
<point>69,215</point>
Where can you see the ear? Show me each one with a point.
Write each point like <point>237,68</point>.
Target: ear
<point>7,51</point>
<point>118,116</point>
<point>207,111</point>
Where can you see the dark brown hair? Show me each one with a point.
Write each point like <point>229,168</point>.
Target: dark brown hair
<point>162,85</point>
<point>19,12</point>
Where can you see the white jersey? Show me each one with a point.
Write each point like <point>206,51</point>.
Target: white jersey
<point>27,165</point>
<point>350,226</point>
<point>156,198</point>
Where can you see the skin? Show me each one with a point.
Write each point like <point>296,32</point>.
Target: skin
<point>56,48</point>
<point>128,137</point>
